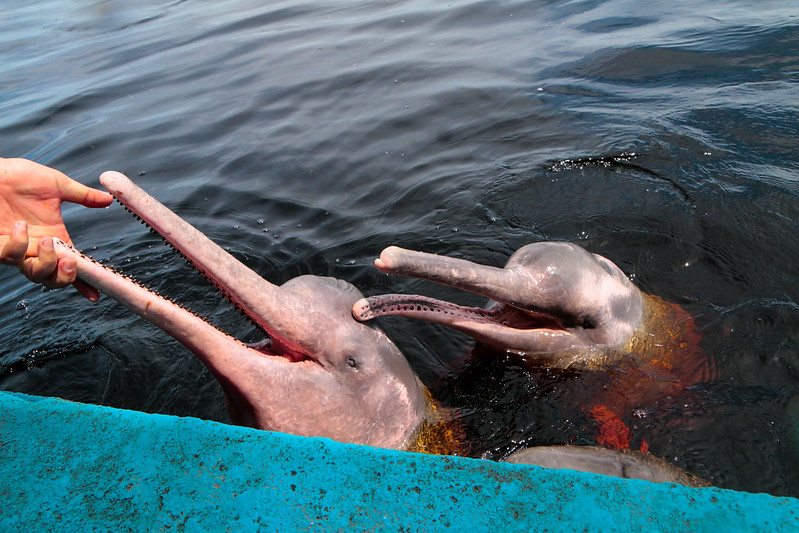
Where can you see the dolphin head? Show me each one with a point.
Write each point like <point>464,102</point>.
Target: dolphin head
<point>317,373</point>
<point>343,379</point>
<point>551,297</point>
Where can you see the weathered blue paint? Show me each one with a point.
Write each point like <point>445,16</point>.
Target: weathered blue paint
<point>74,467</point>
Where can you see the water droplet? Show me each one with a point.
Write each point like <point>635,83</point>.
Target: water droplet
<point>22,305</point>
<point>260,221</point>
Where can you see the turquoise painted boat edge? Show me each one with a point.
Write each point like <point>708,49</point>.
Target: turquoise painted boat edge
<point>76,467</point>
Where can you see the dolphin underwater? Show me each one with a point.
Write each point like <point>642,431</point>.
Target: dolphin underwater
<point>626,464</point>
<point>318,373</point>
<point>559,306</point>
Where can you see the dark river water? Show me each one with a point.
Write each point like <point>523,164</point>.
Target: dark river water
<point>307,136</point>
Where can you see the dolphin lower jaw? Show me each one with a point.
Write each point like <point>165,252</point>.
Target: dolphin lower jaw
<point>227,357</point>
<point>440,311</point>
<point>252,295</point>
<point>258,300</point>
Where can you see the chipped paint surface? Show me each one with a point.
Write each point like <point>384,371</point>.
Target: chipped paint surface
<point>75,467</point>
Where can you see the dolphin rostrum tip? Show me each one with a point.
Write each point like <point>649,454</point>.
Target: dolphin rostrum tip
<point>361,310</point>
<point>110,178</point>
<point>389,259</point>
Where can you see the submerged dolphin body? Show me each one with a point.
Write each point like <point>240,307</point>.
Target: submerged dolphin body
<point>320,373</point>
<point>627,464</point>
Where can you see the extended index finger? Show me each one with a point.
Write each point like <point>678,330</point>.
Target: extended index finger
<point>76,192</point>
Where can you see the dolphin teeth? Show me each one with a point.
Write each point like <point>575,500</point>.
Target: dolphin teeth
<point>219,288</point>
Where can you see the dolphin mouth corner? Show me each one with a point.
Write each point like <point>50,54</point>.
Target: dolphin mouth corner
<point>233,280</point>
<point>275,349</point>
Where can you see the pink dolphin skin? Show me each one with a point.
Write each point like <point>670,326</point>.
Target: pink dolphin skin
<point>320,372</point>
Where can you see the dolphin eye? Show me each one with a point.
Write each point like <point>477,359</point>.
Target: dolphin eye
<point>351,362</point>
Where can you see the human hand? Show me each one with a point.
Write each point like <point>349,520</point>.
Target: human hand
<point>30,214</point>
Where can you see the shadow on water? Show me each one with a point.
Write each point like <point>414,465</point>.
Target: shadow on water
<point>305,138</point>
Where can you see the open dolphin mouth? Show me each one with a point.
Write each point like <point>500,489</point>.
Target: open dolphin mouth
<point>217,266</point>
<point>549,298</point>
<point>500,325</point>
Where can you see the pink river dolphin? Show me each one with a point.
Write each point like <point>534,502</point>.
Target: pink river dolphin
<point>318,373</point>
<point>559,306</point>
